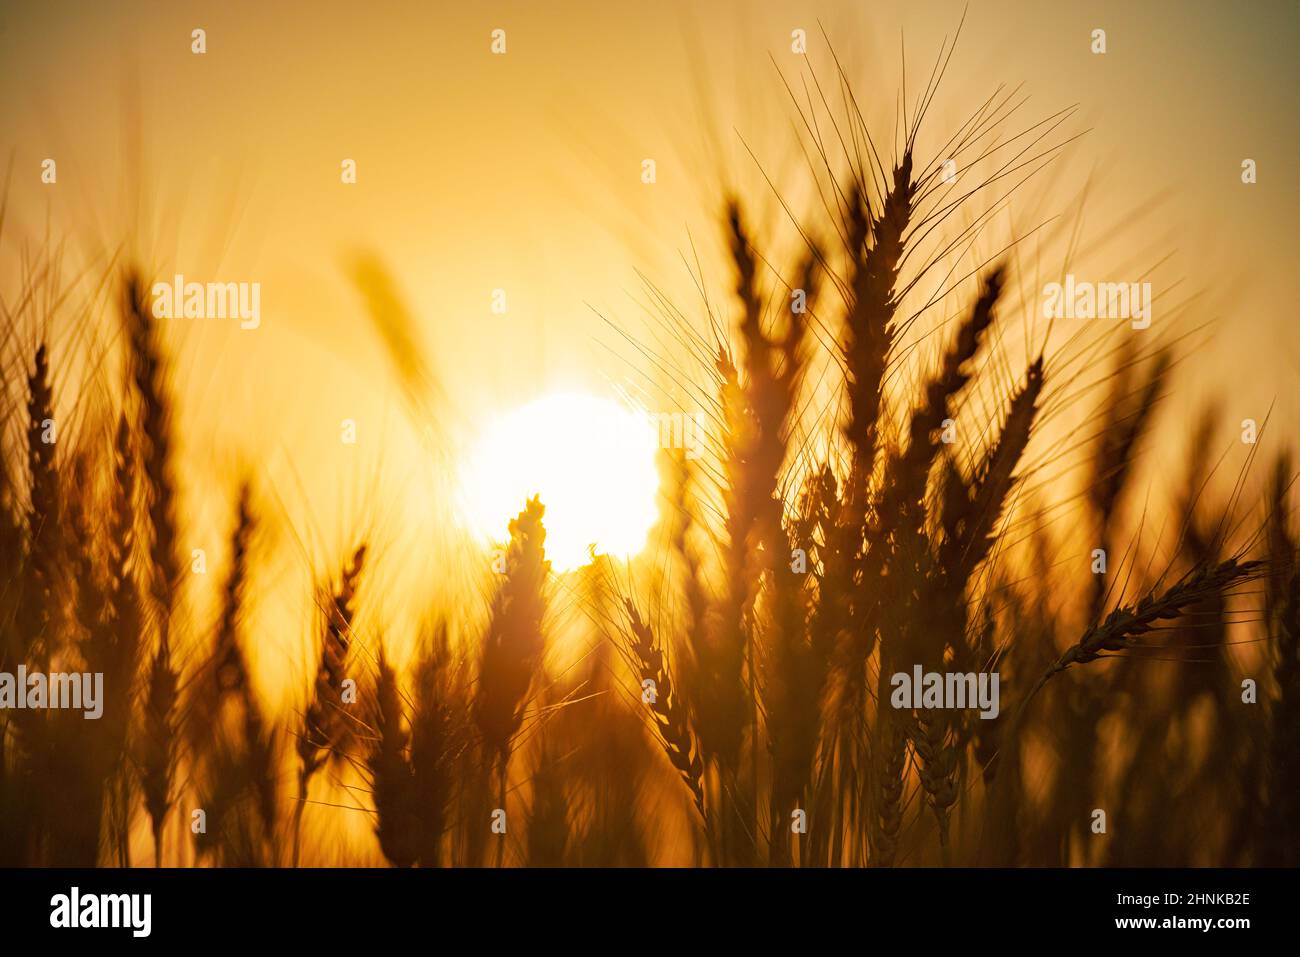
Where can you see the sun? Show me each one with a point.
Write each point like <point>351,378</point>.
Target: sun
<point>591,460</point>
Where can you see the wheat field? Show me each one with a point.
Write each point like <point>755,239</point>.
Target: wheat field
<point>904,469</point>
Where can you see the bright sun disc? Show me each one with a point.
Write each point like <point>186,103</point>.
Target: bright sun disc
<point>591,461</point>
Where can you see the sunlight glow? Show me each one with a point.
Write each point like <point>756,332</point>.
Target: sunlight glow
<point>591,460</point>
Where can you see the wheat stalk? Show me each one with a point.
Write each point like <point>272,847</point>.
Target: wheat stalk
<point>671,724</point>
<point>322,725</point>
<point>389,762</point>
<point>1123,628</point>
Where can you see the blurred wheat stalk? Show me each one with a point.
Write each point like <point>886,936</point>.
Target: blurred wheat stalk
<point>741,714</point>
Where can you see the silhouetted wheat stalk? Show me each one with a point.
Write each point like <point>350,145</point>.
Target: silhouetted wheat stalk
<point>323,723</point>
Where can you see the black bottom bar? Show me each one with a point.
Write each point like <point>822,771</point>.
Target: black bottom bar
<point>647,908</point>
